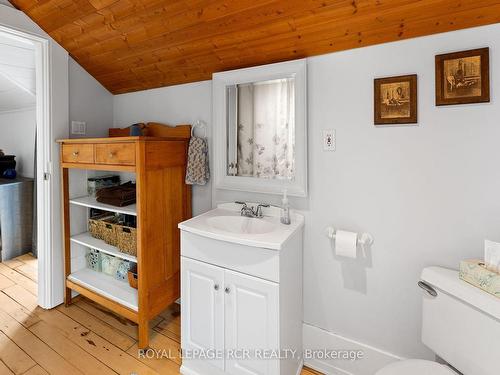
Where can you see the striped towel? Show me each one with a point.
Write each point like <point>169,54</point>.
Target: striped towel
<point>198,171</point>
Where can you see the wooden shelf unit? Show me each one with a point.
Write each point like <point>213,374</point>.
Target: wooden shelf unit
<point>163,200</point>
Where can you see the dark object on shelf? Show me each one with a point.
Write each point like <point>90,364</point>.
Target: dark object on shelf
<point>132,276</point>
<point>10,174</point>
<point>136,129</point>
<point>7,162</point>
<point>96,183</point>
<point>119,196</point>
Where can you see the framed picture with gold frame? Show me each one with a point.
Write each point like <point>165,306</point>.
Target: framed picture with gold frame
<point>463,77</point>
<point>396,100</point>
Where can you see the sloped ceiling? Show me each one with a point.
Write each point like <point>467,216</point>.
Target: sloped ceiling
<point>17,74</point>
<point>130,45</point>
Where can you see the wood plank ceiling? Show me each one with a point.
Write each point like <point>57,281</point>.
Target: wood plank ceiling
<point>131,45</point>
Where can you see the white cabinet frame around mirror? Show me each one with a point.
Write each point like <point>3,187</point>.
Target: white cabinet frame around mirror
<point>296,69</point>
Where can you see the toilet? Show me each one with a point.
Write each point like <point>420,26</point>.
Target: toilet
<point>460,324</point>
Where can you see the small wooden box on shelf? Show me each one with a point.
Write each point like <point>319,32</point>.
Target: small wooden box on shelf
<point>163,200</point>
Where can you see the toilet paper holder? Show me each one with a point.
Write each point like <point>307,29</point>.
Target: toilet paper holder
<point>364,239</point>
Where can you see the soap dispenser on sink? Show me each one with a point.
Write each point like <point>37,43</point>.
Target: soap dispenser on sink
<point>285,209</point>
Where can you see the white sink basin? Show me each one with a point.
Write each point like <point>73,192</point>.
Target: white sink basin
<point>241,225</point>
<point>225,223</point>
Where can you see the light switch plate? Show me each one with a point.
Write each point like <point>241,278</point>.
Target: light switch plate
<point>78,127</point>
<point>329,140</point>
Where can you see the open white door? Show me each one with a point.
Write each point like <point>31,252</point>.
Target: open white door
<point>52,123</point>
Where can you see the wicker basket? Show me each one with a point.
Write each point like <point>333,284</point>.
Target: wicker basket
<point>132,276</point>
<point>126,238</point>
<point>108,231</point>
<point>96,225</point>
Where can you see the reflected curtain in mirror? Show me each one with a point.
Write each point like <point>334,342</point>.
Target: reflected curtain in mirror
<point>265,129</point>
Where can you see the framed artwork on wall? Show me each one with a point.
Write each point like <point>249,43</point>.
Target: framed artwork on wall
<point>396,100</point>
<point>463,77</point>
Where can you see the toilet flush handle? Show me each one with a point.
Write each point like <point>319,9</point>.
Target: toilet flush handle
<point>429,289</point>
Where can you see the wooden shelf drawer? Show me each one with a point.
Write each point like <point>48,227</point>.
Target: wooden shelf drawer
<point>78,153</point>
<point>115,153</point>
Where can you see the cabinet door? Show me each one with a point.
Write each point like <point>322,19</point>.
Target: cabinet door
<point>252,323</point>
<point>202,308</point>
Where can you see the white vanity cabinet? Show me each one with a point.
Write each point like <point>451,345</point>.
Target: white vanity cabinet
<point>230,311</point>
<point>241,305</point>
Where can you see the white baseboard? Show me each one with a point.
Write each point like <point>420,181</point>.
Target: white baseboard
<point>318,339</point>
<point>299,370</point>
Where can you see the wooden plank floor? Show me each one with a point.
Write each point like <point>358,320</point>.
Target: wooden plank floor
<point>81,339</point>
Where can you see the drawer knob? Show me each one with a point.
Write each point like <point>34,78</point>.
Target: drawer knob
<point>76,153</point>
<point>227,290</point>
<point>111,154</point>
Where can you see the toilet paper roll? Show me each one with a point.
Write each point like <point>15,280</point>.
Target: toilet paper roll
<point>345,243</point>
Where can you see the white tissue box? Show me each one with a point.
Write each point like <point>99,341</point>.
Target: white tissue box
<point>474,272</point>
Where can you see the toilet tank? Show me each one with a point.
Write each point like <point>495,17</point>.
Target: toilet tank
<point>461,323</point>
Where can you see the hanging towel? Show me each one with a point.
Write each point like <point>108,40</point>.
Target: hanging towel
<point>198,171</point>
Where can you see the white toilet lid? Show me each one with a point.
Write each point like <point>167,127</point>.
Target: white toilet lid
<point>416,367</point>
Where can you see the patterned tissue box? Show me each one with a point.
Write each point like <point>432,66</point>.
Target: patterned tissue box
<point>474,272</point>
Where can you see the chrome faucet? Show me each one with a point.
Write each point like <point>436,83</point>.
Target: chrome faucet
<point>251,211</point>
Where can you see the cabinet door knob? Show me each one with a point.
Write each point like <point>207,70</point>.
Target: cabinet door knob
<point>216,286</point>
<point>227,290</point>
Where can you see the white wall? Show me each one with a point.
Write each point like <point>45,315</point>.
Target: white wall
<point>182,104</point>
<point>17,129</point>
<point>17,73</point>
<point>89,101</point>
<point>427,193</point>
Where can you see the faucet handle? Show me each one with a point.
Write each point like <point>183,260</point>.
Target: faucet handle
<point>244,206</point>
<point>258,212</point>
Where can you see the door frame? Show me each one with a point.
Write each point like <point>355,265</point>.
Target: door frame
<point>44,185</point>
